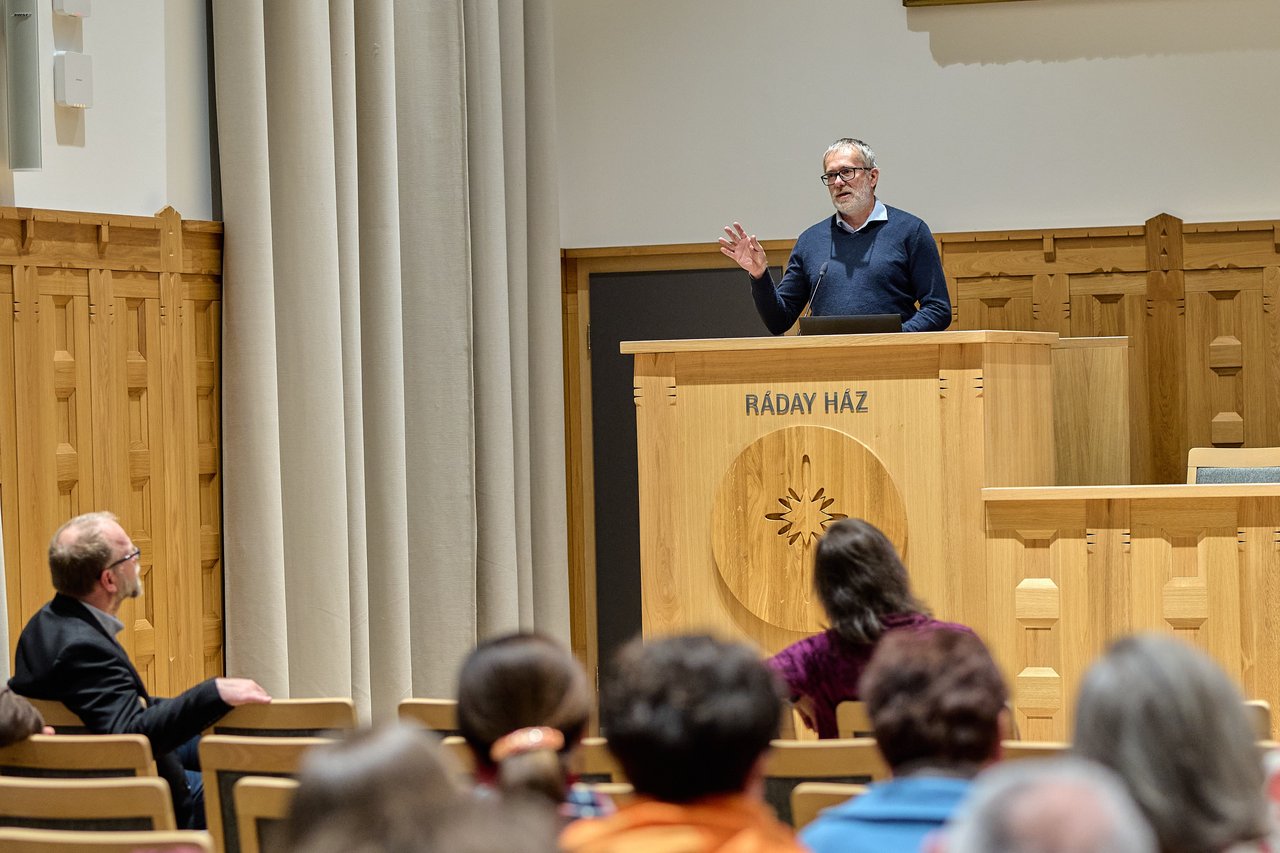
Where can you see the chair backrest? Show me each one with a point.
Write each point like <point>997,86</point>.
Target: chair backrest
<point>86,804</point>
<point>438,715</point>
<point>225,759</point>
<point>66,841</point>
<point>790,762</point>
<point>620,793</point>
<point>288,718</point>
<point>78,756</point>
<point>852,719</point>
<point>1013,750</point>
<point>1233,465</point>
<point>809,799</point>
<point>1259,713</point>
<point>262,803</point>
<point>592,762</point>
<point>461,757</point>
<point>59,716</point>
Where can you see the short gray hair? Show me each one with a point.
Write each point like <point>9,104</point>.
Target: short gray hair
<point>78,553</point>
<point>1054,805</point>
<point>849,143</point>
<point>1167,719</point>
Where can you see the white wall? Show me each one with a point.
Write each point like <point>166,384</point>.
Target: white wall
<point>144,143</point>
<point>675,117</point>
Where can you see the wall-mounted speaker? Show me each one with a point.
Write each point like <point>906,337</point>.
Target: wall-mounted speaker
<point>22,52</point>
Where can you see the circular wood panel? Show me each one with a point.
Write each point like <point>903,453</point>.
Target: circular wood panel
<point>774,503</point>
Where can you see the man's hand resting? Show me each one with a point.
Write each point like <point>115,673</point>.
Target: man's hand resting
<point>241,691</point>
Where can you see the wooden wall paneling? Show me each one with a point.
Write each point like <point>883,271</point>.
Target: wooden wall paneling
<point>128,478</point>
<point>1185,574</point>
<point>1271,351</point>
<point>996,302</point>
<point>1114,304</point>
<point>34,522</point>
<point>1091,419</point>
<point>114,394</point>
<point>580,467</point>
<point>9,451</point>
<point>1051,303</point>
<point>1166,349</point>
<point>1225,358</point>
<point>205,322</point>
<point>180,458</point>
<point>1259,544</point>
<point>1040,595</point>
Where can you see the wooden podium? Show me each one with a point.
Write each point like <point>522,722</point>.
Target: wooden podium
<point>749,446</point>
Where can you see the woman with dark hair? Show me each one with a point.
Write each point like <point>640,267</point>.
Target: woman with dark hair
<point>864,591</point>
<point>523,704</point>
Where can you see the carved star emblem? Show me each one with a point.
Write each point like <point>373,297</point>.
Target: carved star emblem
<point>804,517</point>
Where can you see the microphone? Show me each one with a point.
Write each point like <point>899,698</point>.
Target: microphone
<point>808,308</point>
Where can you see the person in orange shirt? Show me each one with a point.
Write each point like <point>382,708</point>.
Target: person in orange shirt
<point>690,720</point>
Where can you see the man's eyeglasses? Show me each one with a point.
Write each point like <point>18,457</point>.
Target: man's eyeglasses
<point>132,555</point>
<point>847,174</point>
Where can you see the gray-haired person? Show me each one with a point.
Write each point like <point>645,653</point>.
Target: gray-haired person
<point>1172,726</point>
<point>1057,805</point>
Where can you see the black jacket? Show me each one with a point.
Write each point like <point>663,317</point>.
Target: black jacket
<point>65,654</point>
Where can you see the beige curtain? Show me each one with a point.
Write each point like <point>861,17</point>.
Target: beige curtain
<point>392,404</point>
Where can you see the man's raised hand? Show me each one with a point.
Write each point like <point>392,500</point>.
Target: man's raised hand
<point>745,250</point>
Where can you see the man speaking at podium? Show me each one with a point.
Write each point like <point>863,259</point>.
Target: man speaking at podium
<point>868,258</point>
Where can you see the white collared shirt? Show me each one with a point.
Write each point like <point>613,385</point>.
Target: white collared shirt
<point>879,213</point>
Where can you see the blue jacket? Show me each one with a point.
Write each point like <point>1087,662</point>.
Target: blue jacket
<point>892,816</point>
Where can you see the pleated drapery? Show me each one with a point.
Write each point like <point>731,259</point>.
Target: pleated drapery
<point>392,405</point>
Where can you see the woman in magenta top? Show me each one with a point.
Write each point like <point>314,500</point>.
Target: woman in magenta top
<point>863,588</point>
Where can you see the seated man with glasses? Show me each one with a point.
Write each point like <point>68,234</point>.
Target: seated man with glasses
<point>868,258</point>
<point>68,653</point>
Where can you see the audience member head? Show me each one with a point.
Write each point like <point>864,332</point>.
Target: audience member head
<point>859,579</point>
<point>93,559</point>
<point>1170,723</point>
<point>18,718</point>
<point>510,825</point>
<point>936,701</point>
<point>1057,805</point>
<point>379,790</point>
<point>523,704</point>
<point>689,717</point>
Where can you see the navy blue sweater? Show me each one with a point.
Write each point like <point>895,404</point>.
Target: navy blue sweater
<point>886,268</point>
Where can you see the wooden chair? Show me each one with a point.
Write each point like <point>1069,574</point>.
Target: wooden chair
<point>1014,750</point>
<point>86,804</point>
<point>59,716</point>
<point>1233,465</point>
<point>225,759</point>
<point>67,841</point>
<point>262,803</point>
<point>438,715</point>
<point>809,799</point>
<point>1259,713</point>
<point>460,756</point>
<point>620,793</point>
<point>593,763</point>
<point>852,719</point>
<point>78,756</point>
<point>288,718</point>
<point>790,762</point>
